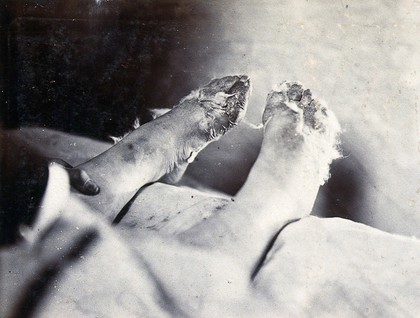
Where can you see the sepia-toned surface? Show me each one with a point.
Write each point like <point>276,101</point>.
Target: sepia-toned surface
<point>359,56</point>
<point>317,267</point>
<point>90,68</point>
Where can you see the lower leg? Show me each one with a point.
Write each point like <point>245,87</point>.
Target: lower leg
<point>168,142</point>
<point>299,144</point>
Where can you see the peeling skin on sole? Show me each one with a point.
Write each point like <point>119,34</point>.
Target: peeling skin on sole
<point>295,92</point>
<point>235,106</point>
<point>225,101</point>
<point>303,120</point>
<point>167,143</point>
<point>302,98</point>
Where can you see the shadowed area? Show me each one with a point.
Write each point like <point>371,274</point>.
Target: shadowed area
<point>101,65</point>
<point>23,178</point>
<point>343,195</point>
<point>41,285</point>
<point>90,68</point>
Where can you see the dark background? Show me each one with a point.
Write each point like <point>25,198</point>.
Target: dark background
<point>91,69</point>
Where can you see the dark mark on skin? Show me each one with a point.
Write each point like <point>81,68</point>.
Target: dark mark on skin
<point>132,153</point>
<point>129,156</point>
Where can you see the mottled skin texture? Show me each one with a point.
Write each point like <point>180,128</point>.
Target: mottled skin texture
<point>203,255</point>
<point>166,144</point>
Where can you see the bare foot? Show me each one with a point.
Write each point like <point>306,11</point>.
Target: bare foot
<point>299,126</point>
<point>300,141</point>
<point>167,143</point>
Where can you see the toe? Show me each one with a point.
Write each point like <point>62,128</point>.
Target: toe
<point>306,98</point>
<point>295,92</point>
<point>276,102</point>
<point>314,115</point>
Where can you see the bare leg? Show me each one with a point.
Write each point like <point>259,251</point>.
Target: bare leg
<point>167,143</point>
<point>300,137</point>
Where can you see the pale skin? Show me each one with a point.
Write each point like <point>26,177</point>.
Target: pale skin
<point>220,262</point>
<point>139,158</point>
<point>299,143</point>
<point>281,187</point>
<point>212,265</point>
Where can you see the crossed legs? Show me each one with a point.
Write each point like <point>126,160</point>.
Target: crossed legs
<point>209,266</point>
<point>300,141</point>
<point>165,146</point>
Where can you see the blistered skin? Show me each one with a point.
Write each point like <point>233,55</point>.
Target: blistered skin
<point>224,101</point>
<point>165,146</point>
